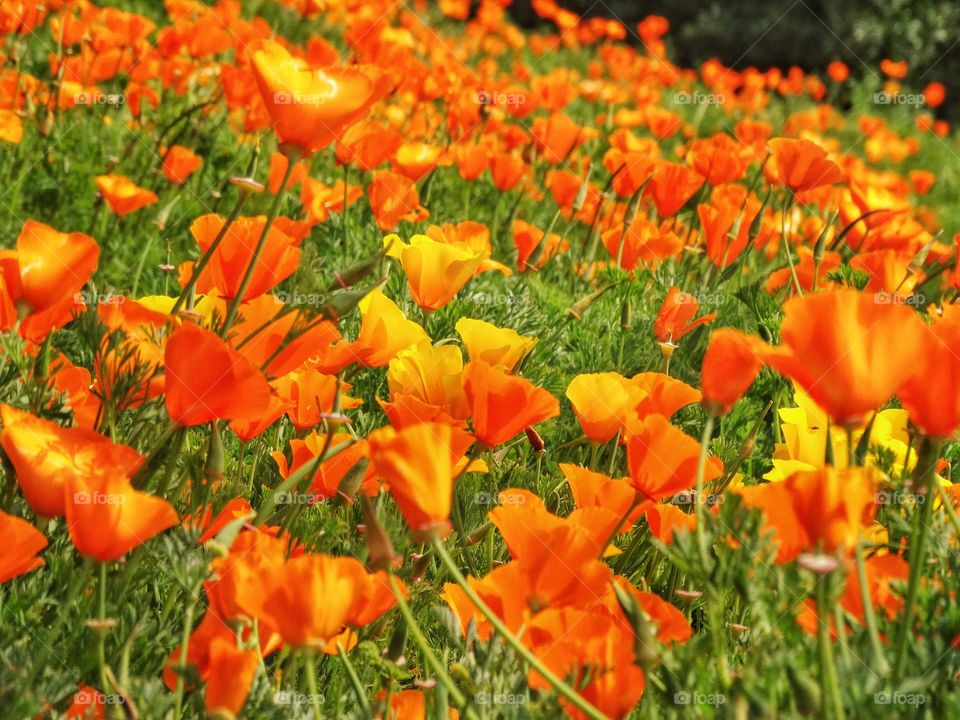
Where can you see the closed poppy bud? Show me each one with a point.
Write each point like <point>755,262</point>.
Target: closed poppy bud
<point>123,195</point>
<point>418,463</point>
<point>21,543</point>
<point>311,107</point>
<point>502,405</point>
<point>730,365</point>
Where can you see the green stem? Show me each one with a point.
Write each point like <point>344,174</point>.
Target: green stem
<point>293,155</point>
<point>101,630</point>
<point>352,675</point>
<point>828,670</point>
<point>879,660</point>
<point>564,689</point>
<point>443,677</point>
<point>311,663</point>
<point>700,499</point>
<point>922,481</point>
<point>184,651</point>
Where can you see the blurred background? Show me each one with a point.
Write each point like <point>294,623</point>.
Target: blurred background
<point>806,33</point>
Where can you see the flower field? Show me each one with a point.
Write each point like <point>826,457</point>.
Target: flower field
<point>384,360</point>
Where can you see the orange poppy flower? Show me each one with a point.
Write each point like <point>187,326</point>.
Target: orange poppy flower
<point>232,670</point>
<point>179,163</point>
<point>436,271</point>
<point>46,457</point>
<point>731,364</point>
<point>931,395</point>
<point>313,597</point>
<point>433,376</point>
<point>663,459</point>
<point>675,318</point>
<point>384,331</point>
<point>310,395</point>
<point>506,170</point>
<point>557,136</point>
<point>528,238</point>
<point>330,473</point>
<point>123,195</point>
<point>311,107</point>
<point>48,267</point>
<point>803,165</point>
<point>418,463</point>
<point>595,490</point>
<point>602,403</point>
<point>107,518</point>
<point>594,647</point>
<point>832,506</point>
<point>207,380</point>
<point>642,240</point>
<point>228,264</point>
<point>502,405</point>
<point>393,198</point>
<point>21,543</point>
<point>671,186</point>
<point>663,395</point>
<point>368,144</point>
<point>500,347</point>
<point>849,350</point>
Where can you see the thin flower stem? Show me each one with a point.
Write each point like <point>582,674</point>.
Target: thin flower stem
<point>879,659</point>
<point>923,481</point>
<point>184,650</point>
<point>311,663</point>
<point>701,473</point>
<point>564,689</point>
<point>351,674</point>
<point>828,670</point>
<point>293,156</point>
<point>203,261</point>
<point>443,677</point>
